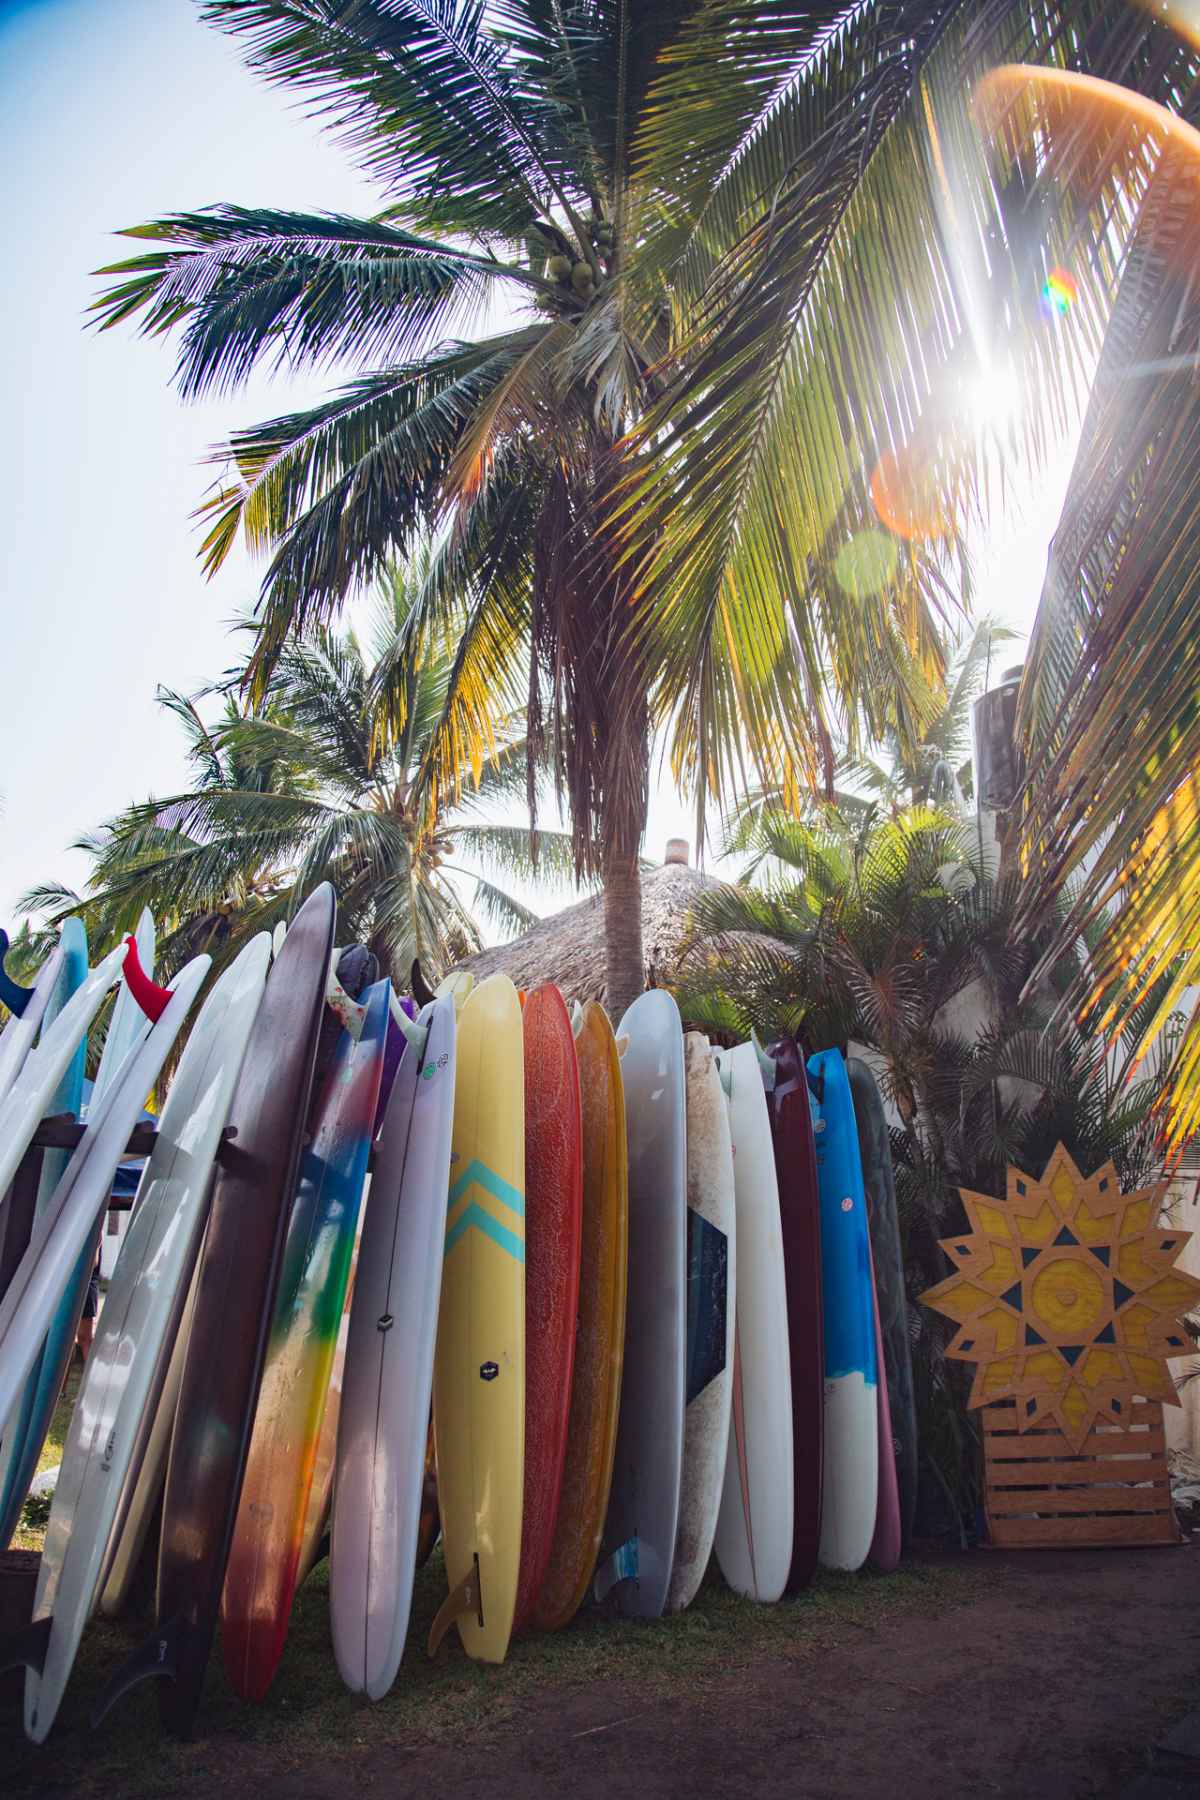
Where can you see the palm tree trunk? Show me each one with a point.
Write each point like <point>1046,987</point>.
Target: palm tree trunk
<point>625,966</point>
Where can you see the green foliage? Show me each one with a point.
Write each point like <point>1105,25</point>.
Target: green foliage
<point>892,935</point>
<point>331,779</point>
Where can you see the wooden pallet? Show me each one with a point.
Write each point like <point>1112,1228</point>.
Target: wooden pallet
<point>1043,1493</point>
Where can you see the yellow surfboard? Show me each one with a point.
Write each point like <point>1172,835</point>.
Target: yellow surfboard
<point>600,1340</point>
<point>479,1371</point>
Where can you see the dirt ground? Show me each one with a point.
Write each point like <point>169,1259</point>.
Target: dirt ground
<point>1049,1682</point>
<point>1039,1676</point>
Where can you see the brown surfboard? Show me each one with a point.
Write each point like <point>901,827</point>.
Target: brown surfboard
<point>235,1291</point>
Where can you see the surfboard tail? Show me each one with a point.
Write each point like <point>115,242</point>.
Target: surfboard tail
<point>157,1657</point>
<point>26,1649</point>
<point>464,1601</point>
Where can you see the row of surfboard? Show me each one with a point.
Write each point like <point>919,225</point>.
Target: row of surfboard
<point>632,1274</point>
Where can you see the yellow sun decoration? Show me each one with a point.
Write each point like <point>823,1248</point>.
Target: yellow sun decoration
<point>1067,1298</point>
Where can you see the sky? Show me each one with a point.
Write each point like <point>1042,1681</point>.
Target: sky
<point>113,112</point>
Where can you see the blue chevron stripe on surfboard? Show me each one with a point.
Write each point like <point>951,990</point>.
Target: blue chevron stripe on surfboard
<point>479,1174</point>
<point>499,1234</point>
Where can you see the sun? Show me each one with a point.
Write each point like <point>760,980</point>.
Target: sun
<point>1067,1298</point>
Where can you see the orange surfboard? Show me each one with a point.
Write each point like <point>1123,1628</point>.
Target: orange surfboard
<point>553,1209</point>
<point>600,1339</point>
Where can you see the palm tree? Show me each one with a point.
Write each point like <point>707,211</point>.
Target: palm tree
<point>574,200</point>
<point>892,936</point>
<point>1108,713</point>
<point>323,784</point>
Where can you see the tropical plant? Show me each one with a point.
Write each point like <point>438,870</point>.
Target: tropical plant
<point>1108,713</point>
<point>892,937</point>
<point>322,784</point>
<point>536,172</point>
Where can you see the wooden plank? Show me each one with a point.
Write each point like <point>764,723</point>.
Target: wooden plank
<point>1002,1415</point>
<point>1081,1534</point>
<point>1088,1469</point>
<point>1024,1446</point>
<point>1050,1501</point>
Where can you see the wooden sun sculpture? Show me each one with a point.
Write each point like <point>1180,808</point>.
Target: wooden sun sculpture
<point>1066,1298</point>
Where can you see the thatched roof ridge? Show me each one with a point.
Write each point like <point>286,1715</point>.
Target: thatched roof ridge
<point>568,948</point>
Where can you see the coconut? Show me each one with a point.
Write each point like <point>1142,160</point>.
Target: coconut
<point>559,268</point>
<point>582,280</point>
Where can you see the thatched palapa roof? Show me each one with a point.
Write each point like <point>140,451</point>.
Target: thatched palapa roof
<point>568,948</point>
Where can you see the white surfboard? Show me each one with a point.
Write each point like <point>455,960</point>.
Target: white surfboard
<point>126,1029</point>
<point>129,1024</point>
<point>62,1232</point>
<point>143,1485</point>
<point>638,1547</point>
<point>711,1271</point>
<point>152,1273</point>
<point>388,1376</point>
<point>16,1040</point>
<point>754,1531</point>
<point>24,1106</point>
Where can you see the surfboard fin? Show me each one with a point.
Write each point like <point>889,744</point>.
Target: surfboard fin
<point>26,1649</point>
<point>341,1004</point>
<point>423,994</point>
<point>766,1064</point>
<point>458,985</point>
<point>463,1600</point>
<point>14,996</point>
<point>158,1656</point>
<point>621,1566</point>
<point>152,999</point>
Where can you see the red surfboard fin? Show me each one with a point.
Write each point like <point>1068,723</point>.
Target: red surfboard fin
<point>150,997</point>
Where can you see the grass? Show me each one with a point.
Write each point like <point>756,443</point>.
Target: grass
<point>31,1531</point>
<point>309,1714</point>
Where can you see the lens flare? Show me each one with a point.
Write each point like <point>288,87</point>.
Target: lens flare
<point>866,563</point>
<point>906,495</point>
<point>1060,293</point>
<point>1181,17</point>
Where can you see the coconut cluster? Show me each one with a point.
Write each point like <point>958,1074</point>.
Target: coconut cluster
<point>571,271</point>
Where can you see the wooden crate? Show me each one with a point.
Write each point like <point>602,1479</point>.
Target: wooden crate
<point>1113,1489</point>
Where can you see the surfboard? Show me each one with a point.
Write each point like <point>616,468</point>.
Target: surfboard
<point>142,1491</point>
<point>67,1227</point>
<point>152,1272</point>
<point>600,1338</point>
<point>21,1028</point>
<point>711,1301</point>
<point>879,1181</point>
<point>388,1376</point>
<point>28,1099</point>
<point>884,1553</point>
<point>756,1523</point>
<point>479,1367</point>
<point>236,1281</point>
<point>851,1473</point>
<point>318,1514</point>
<point>800,1224</point>
<point>35,1184</point>
<point>638,1548</point>
<point>553,1223</point>
<point>26,1427</point>
<point>264,1555</point>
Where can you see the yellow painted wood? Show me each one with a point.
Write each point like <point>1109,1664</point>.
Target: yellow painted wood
<point>600,1341</point>
<point>479,1371</point>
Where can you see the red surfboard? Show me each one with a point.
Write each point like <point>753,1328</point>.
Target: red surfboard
<point>884,1554</point>
<point>553,1225</point>
<point>800,1218</point>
